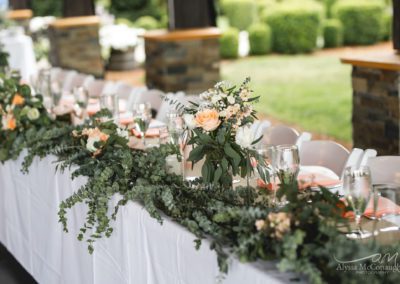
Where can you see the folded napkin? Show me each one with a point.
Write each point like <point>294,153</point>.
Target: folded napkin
<point>150,133</point>
<point>385,207</point>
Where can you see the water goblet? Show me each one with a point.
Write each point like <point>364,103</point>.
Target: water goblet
<point>81,96</point>
<point>268,167</point>
<point>386,204</point>
<point>142,118</point>
<point>287,163</point>
<point>357,187</point>
<point>110,102</point>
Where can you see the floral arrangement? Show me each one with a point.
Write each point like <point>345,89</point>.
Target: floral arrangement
<point>20,113</point>
<point>302,236</point>
<point>221,132</point>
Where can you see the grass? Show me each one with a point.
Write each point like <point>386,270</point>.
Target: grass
<point>311,92</point>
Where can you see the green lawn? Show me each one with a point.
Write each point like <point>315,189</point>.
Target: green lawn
<point>313,92</point>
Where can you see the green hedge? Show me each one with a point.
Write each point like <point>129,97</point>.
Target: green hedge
<point>387,26</point>
<point>46,8</point>
<point>260,39</point>
<point>229,43</point>
<point>241,13</point>
<point>147,23</point>
<point>333,33</point>
<point>362,20</point>
<point>295,26</point>
<point>134,9</point>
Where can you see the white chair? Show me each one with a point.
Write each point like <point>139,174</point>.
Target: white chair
<point>166,106</point>
<point>327,154</point>
<point>96,87</point>
<point>279,135</point>
<point>385,169</point>
<point>154,97</point>
<point>78,80</point>
<point>304,136</point>
<point>123,90</point>
<point>353,160</point>
<point>65,79</point>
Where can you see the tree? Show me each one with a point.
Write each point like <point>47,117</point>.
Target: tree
<point>75,8</point>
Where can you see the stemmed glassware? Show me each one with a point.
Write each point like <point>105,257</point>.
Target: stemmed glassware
<point>110,102</point>
<point>388,197</point>
<point>287,163</point>
<point>268,154</point>
<point>81,96</point>
<point>142,118</point>
<point>357,187</point>
<point>43,87</point>
<point>179,135</point>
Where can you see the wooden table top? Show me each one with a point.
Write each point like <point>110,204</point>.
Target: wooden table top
<point>178,35</point>
<point>383,60</point>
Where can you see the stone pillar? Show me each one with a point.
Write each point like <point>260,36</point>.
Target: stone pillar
<point>21,17</point>
<point>376,103</point>
<point>186,60</point>
<point>74,44</point>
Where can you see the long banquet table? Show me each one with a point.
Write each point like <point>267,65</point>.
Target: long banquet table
<point>140,250</point>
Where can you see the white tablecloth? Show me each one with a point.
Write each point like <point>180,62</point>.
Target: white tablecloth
<point>139,251</point>
<point>22,55</point>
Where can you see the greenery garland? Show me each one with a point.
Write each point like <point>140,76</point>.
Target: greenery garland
<point>302,235</point>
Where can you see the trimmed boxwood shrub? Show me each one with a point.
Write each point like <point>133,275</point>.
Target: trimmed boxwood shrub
<point>362,20</point>
<point>241,13</point>
<point>333,33</point>
<point>295,26</point>
<point>229,43</point>
<point>147,23</point>
<point>260,39</point>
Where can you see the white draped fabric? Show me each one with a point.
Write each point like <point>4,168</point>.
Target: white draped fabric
<point>140,250</point>
<point>20,49</point>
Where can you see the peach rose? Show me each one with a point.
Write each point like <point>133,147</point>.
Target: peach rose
<point>18,100</point>
<point>9,122</point>
<point>208,119</point>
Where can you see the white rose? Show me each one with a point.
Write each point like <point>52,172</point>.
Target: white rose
<point>215,99</point>
<point>33,114</point>
<point>123,133</point>
<point>231,100</point>
<point>222,113</point>
<point>223,95</point>
<point>244,136</point>
<point>190,121</point>
<point>90,143</point>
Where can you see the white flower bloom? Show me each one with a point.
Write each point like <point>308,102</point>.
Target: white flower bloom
<point>223,95</point>
<point>90,143</point>
<point>123,133</point>
<point>244,136</point>
<point>222,113</point>
<point>215,99</point>
<point>205,96</point>
<point>244,95</point>
<point>33,114</point>
<point>190,121</point>
<point>231,100</point>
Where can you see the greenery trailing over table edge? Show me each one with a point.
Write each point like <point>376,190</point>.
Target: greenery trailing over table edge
<point>302,235</point>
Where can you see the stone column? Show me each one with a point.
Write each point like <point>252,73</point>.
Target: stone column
<point>182,60</point>
<point>75,44</point>
<point>376,102</point>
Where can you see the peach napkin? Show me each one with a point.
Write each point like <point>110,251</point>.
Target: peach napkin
<point>150,133</point>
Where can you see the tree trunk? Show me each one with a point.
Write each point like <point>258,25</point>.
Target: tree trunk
<point>396,24</point>
<point>185,14</point>
<point>75,8</point>
<point>20,4</point>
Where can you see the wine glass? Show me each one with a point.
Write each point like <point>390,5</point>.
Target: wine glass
<point>386,204</point>
<point>287,163</point>
<point>81,96</point>
<point>268,154</point>
<point>142,118</point>
<point>357,188</point>
<point>43,87</point>
<point>110,102</point>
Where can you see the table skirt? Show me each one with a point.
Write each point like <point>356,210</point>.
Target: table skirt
<point>140,250</point>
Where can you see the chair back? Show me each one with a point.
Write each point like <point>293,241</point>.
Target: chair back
<point>280,135</point>
<point>65,79</point>
<point>385,169</point>
<point>327,154</point>
<point>79,80</point>
<point>154,97</point>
